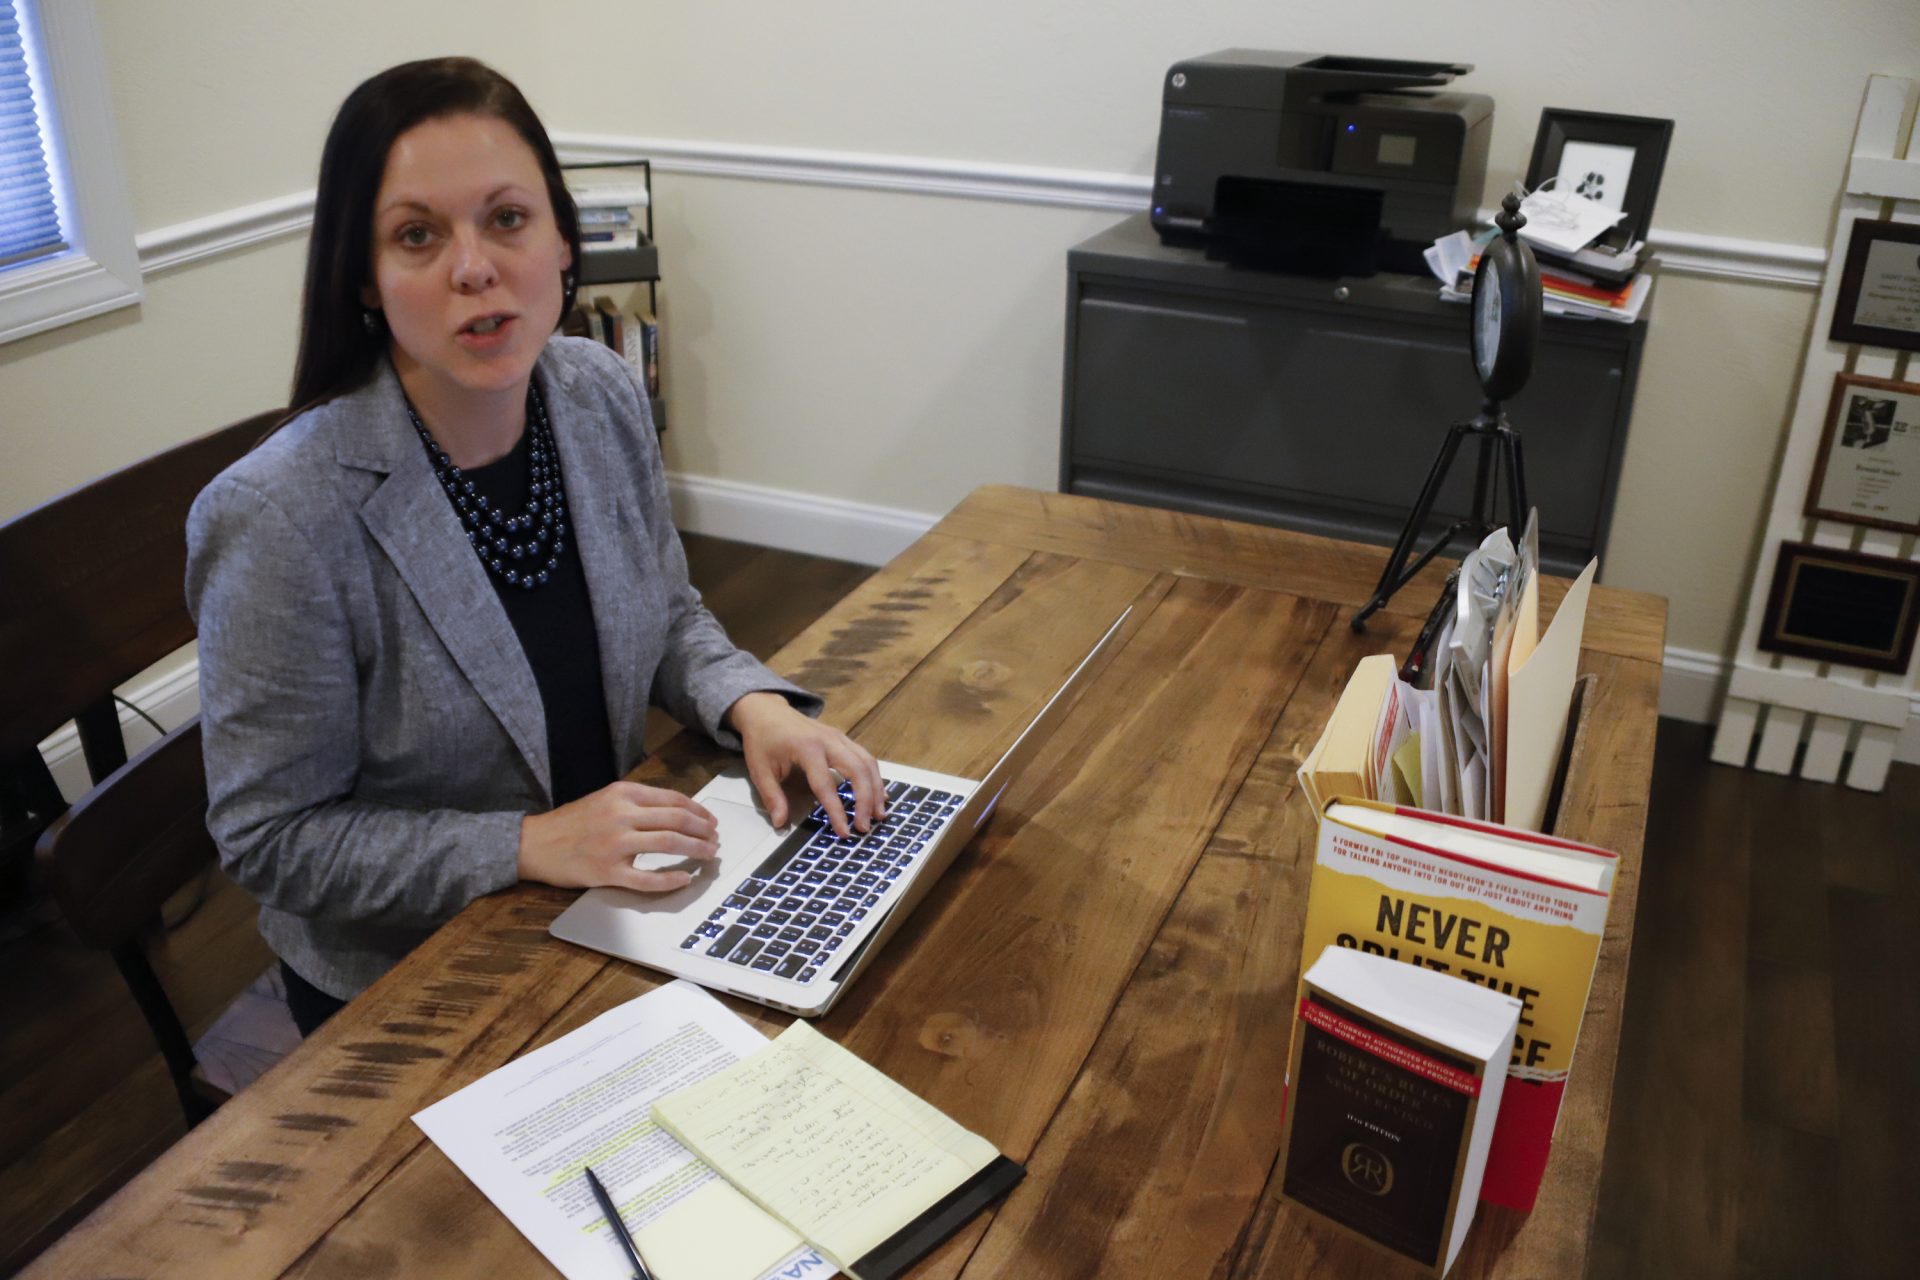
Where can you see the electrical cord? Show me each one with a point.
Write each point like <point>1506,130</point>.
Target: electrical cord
<point>142,714</point>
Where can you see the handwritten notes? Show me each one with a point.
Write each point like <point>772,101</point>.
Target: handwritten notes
<point>523,1134</point>
<point>834,1148</point>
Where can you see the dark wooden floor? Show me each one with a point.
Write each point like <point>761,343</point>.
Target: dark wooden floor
<point>1765,1103</point>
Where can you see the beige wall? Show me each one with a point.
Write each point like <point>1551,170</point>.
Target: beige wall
<point>900,349</point>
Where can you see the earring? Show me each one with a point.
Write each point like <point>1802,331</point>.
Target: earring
<point>566,279</point>
<point>370,320</point>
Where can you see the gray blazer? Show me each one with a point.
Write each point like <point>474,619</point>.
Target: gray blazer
<point>373,732</point>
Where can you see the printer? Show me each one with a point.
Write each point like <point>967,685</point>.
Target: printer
<point>1317,163</point>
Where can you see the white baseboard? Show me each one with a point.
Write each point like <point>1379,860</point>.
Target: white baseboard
<point>1692,681</point>
<point>1691,684</point>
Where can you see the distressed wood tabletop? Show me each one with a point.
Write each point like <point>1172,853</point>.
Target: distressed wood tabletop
<point>1100,985</point>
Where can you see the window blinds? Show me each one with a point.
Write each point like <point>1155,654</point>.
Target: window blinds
<point>29,219</point>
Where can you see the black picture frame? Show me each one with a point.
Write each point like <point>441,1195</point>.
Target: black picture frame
<point>1842,606</point>
<point>1649,137</point>
<point>1847,326</point>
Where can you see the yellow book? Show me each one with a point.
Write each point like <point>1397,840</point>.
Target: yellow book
<point>869,1174</point>
<point>1513,910</point>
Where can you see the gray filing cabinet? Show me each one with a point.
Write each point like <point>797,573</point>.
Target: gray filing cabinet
<point>1319,404</point>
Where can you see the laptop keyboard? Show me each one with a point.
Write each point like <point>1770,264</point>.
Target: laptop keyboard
<point>809,895</point>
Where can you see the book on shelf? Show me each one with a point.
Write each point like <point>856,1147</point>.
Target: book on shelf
<point>1496,906</point>
<point>1395,1077</point>
<point>860,1168</point>
<point>613,325</point>
<point>648,327</point>
<point>633,335</point>
<point>603,241</point>
<point>609,194</point>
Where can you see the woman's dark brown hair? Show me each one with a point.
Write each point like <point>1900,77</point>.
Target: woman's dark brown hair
<point>338,350</point>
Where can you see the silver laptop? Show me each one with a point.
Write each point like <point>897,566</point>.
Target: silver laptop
<point>789,919</point>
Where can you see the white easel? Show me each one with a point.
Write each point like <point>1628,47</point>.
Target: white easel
<point>1833,707</point>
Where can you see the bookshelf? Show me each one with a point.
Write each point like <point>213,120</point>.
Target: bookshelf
<point>615,273</point>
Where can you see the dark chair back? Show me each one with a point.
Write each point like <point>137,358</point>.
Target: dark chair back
<point>92,585</point>
<point>93,591</point>
<point>125,847</point>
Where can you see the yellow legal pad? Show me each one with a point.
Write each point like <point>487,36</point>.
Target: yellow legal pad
<point>868,1173</point>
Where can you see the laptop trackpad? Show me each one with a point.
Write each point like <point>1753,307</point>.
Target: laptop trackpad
<point>742,828</point>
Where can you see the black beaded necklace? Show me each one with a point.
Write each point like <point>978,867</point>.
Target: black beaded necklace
<point>521,549</point>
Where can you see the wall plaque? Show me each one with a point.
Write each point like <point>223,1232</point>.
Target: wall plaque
<point>1868,468</point>
<point>1879,300</point>
<point>1842,606</point>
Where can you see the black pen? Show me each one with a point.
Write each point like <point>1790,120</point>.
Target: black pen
<point>640,1271</point>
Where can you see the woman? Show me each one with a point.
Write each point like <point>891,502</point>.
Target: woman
<point>434,603</point>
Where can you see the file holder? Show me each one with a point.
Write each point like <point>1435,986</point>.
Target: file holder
<point>1570,766</point>
<point>1573,755</point>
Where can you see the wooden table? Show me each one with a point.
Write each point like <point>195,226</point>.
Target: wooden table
<point>1100,986</point>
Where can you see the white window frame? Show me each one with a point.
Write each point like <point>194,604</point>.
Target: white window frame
<point>102,270</point>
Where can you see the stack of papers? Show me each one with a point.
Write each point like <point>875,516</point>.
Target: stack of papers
<point>1579,284</point>
<point>526,1133</point>
<point>728,1156</point>
<point>1482,739</point>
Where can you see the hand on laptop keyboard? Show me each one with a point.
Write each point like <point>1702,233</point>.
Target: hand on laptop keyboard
<point>779,741</point>
<point>796,910</point>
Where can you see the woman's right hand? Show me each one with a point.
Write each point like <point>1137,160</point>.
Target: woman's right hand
<point>594,840</point>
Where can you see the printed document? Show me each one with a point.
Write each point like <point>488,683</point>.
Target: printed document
<point>525,1133</point>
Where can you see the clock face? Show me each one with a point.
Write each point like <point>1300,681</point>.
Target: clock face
<point>1506,317</point>
<point>1486,323</point>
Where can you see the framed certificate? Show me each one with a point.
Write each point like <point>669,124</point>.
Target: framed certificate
<point>1842,606</point>
<point>1868,468</point>
<point>1879,301</point>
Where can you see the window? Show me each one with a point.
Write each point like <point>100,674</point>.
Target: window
<point>29,220</point>
<point>66,231</point>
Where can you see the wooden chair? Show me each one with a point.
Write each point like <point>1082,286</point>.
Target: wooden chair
<point>93,589</point>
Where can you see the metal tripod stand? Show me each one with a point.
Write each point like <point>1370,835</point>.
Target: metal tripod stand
<point>1500,468</point>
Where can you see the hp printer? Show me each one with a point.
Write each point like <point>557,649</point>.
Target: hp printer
<point>1316,163</point>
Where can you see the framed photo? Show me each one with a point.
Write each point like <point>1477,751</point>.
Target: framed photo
<point>1879,301</point>
<point>1615,161</point>
<point>1842,606</point>
<point>1868,468</point>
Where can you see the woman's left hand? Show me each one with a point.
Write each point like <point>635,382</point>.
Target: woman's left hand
<point>777,739</point>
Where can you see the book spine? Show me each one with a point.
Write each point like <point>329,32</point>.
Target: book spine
<point>650,352</point>
<point>636,348</point>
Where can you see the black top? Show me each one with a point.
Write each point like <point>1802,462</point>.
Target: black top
<point>555,626</point>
